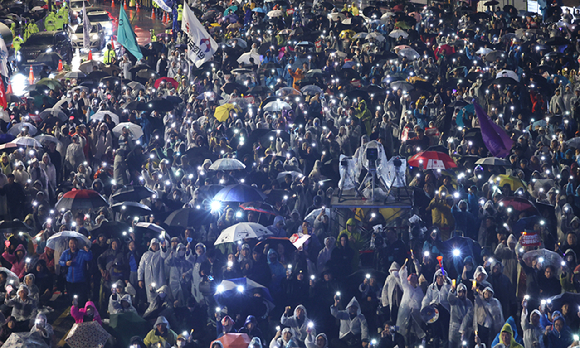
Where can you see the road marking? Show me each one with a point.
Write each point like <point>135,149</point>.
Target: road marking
<point>57,323</point>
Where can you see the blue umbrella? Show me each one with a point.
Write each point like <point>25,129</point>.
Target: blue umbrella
<point>231,18</point>
<point>233,9</point>
<point>259,10</point>
<point>6,138</point>
<point>348,65</point>
<point>239,193</point>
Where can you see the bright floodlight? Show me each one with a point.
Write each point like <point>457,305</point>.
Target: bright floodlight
<point>215,205</point>
<point>240,288</point>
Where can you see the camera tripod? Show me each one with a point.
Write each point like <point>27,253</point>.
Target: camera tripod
<point>397,176</point>
<point>371,174</point>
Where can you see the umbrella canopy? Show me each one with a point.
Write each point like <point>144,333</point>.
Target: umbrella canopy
<point>239,193</point>
<point>131,208</point>
<point>26,141</point>
<point>282,175</point>
<point>245,58</point>
<point>241,231</point>
<point>504,179</point>
<point>227,164</point>
<point>187,217</point>
<point>259,207</point>
<point>167,81</point>
<point>17,128</point>
<point>55,112</point>
<point>13,226</point>
<point>493,161</point>
<point>134,129</point>
<point>286,91</point>
<point>65,236</point>
<point>222,112</point>
<point>314,214</point>
<point>150,226</point>
<point>132,193</point>
<point>25,340</point>
<point>87,335</point>
<point>110,228</point>
<point>517,203</point>
<point>81,199</point>
<point>544,257</point>
<point>277,106</point>
<point>432,160</point>
<point>100,116</point>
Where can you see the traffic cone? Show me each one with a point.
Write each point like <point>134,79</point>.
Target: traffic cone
<point>9,89</point>
<point>90,57</point>
<point>60,65</point>
<point>125,5</point>
<point>164,17</point>
<point>112,3</point>
<point>153,14</point>
<point>31,76</point>
<point>112,44</point>
<point>137,7</point>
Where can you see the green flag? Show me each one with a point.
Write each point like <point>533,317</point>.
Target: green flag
<point>126,35</point>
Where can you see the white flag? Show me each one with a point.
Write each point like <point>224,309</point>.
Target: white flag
<point>3,57</point>
<point>200,45</point>
<point>86,30</point>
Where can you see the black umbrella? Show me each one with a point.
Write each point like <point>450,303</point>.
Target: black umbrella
<point>188,217</point>
<point>197,155</point>
<point>13,226</point>
<point>257,90</point>
<point>139,67</point>
<point>136,105</point>
<point>97,75</point>
<point>557,41</point>
<point>146,74</point>
<point>132,193</point>
<point>131,208</point>
<point>231,86</point>
<point>160,105</point>
<point>356,93</point>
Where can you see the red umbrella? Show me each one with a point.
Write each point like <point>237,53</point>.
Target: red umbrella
<point>81,199</point>
<point>259,207</point>
<point>432,160</point>
<point>235,340</point>
<point>518,203</point>
<point>166,80</point>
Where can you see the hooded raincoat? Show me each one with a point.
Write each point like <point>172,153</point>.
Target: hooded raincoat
<point>356,325</point>
<point>297,326</point>
<point>411,302</point>
<point>176,265</point>
<point>461,315</point>
<point>436,294</point>
<point>151,269</point>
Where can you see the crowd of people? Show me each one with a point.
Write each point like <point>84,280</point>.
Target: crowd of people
<point>485,255</point>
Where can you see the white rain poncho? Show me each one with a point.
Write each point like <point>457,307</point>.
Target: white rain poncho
<point>355,325</point>
<point>176,265</point>
<point>461,315</point>
<point>410,305</point>
<point>152,270</point>
<point>392,290</point>
<point>299,332</point>
<point>436,295</point>
<point>533,335</point>
<point>117,304</point>
<point>196,260</point>
<point>484,308</point>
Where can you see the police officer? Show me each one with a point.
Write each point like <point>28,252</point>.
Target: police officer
<point>110,55</point>
<point>179,15</point>
<point>152,34</point>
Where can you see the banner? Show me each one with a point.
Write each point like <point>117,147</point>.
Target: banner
<point>494,137</point>
<point>530,239</point>
<point>3,102</point>
<point>86,29</point>
<point>163,5</point>
<point>3,57</point>
<point>126,35</point>
<point>200,45</point>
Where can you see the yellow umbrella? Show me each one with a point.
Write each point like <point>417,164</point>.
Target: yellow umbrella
<point>503,179</point>
<point>215,25</point>
<point>223,112</point>
<point>346,33</point>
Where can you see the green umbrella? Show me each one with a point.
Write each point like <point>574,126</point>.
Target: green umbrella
<point>127,325</point>
<point>50,83</point>
<point>403,25</point>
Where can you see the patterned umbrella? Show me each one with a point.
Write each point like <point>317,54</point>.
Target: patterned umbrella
<point>81,199</point>
<point>87,335</point>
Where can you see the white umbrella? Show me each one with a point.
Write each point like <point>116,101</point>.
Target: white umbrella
<point>55,112</point>
<point>397,33</point>
<point>284,91</point>
<point>87,67</point>
<point>26,141</point>
<point>11,278</point>
<point>336,16</point>
<point>275,13</point>
<point>295,174</point>
<point>314,214</point>
<point>45,138</point>
<point>508,73</point>
<point>227,164</point>
<point>311,90</point>
<point>17,128</point>
<point>133,129</point>
<point>99,116</point>
<point>409,53</point>
<point>241,231</point>
<point>245,58</point>
<point>574,142</point>
<point>61,102</point>
<point>347,21</point>
<point>545,258</point>
<point>153,227</point>
<point>135,85</point>
<point>277,105</point>
<point>360,36</point>
<point>376,36</point>
<point>484,50</point>
<point>66,235</point>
